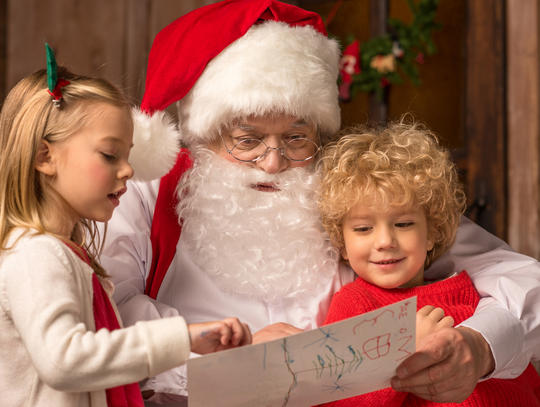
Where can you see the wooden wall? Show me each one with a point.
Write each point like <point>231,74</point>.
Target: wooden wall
<point>485,115</point>
<point>523,144</point>
<point>104,38</point>
<point>439,101</point>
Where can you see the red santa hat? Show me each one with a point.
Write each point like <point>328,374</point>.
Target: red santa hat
<point>230,60</point>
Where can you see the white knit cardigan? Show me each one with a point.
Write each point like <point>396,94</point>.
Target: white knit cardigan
<point>50,354</point>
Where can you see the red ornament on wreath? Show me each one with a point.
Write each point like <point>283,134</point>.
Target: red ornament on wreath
<point>348,66</point>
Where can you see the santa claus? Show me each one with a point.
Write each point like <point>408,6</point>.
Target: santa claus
<point>233,228</point>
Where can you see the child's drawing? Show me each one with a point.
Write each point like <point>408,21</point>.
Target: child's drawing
<point>326,336</point>
<point>351,357</point>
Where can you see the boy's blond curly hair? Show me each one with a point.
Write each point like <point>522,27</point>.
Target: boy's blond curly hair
<point>399,164</point>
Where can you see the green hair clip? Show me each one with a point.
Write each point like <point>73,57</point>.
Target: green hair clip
<point>55,85</point>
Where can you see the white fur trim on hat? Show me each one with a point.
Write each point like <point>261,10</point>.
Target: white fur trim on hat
<point>156,143</point>
<point>273,68</point>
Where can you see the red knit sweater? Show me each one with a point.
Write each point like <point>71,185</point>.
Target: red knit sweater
<point>458,298</point>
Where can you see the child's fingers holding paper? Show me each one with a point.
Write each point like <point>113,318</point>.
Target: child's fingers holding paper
<point>430,319</point>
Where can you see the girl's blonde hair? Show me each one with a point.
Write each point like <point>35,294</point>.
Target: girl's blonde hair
<point>399,164</point>
<point>28,117</point>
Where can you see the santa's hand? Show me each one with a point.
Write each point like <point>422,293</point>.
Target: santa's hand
<point>214,336</point>
<point>430,319</point>
<point>446,366</point>
<point>275,331</point>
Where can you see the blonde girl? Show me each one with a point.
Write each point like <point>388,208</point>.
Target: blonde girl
<point>64,167</point>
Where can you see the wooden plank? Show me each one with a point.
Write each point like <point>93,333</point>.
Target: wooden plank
<point>3,44</point>
<point>378,17</point>
<point>88,36</point>
<point>523,127</point>
<point>109,39</point>
<point>137,47</point>
<point>485,113</point>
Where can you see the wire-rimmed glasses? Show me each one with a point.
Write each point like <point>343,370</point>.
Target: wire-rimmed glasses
<point>252,150</point>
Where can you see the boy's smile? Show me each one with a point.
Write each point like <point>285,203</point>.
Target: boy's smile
<point>389,263</point>
<point>387,248</point>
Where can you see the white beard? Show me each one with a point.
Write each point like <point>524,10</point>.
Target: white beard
<point>268,245</point>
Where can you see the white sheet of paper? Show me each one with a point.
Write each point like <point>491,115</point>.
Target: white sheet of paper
<point>344,359</point>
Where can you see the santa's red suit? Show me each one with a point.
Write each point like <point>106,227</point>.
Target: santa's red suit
<point>263,256</point>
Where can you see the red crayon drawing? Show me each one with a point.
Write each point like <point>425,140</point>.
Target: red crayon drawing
<point>373,320</point>
<point>377,347</point>
<point>407,353</point>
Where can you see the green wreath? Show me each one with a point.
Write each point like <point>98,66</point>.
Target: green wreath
<point>384,59</point>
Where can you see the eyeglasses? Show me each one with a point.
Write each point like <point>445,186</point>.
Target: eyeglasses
<point>251,150</point>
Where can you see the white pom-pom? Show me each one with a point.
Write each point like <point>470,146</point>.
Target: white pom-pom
<point>156,145</point>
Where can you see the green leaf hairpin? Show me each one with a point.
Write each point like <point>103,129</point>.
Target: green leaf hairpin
<point>54,83</point>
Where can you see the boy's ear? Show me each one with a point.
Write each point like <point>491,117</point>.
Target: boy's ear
<point>344,253</point>
<point>430,243</point>
<point>44,162</point>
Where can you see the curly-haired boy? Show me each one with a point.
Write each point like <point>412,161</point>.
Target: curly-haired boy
<point>391,201</point>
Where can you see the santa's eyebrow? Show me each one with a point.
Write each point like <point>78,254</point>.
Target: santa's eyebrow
<point>245,127</point>
<point>299,123</point>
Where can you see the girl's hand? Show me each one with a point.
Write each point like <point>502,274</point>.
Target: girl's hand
<point>275,331</point>
<point>430,319</point>
<point>214,336</point>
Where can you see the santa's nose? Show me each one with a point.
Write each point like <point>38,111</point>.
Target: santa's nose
<point>274,161</point>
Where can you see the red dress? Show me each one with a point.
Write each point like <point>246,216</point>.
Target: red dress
<point>458,298</point>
